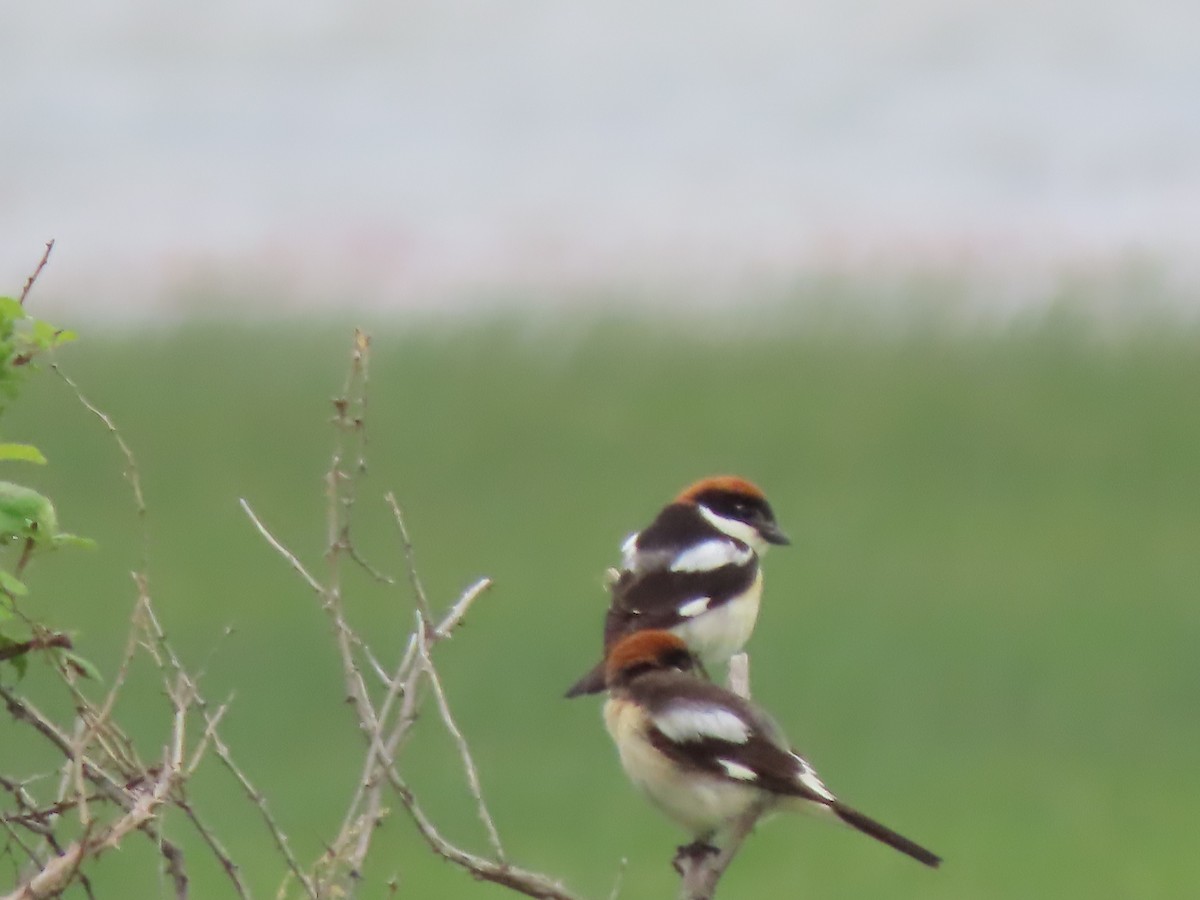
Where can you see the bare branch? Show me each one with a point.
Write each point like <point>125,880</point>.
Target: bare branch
<point>61,870</point>
<point>174,857</point>
<point>331,600</point>
<point>386,719</point>
<point>279,548</point>
<point>413,578</point>
<point>260,801</point>
<point>619,881</point>
<point>24,711</point>
<point>101,777</point>
<point>370,784</point>
<point>464,751</point>
<point>186,688</point>
<point>460,609</point>
<point>210,728</point>
<point>29,282</point>
<point>365,807</point>
<point>739,675</point>
<point>131,466</point>
<point>341,492</point>
<point>365,565</point>
<point>111,787</point>
<point>376,665</point>
<point>523,882</point>
<point>131,644</point>
<point>231,868</point>
<point>15,837</point>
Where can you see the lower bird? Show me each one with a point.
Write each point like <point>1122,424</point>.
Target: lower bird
<point>707,757</point>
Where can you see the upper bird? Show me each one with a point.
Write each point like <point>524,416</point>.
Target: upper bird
<point>706,756</point>
<point>693,571</point>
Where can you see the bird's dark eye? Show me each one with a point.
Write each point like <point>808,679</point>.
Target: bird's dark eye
<point>742,510</point>
<point>681,659</point>
<point>731,506</point>
<point>638,668</point>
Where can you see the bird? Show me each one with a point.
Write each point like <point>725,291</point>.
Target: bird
<point>695,570</point>
<point>707,757</point>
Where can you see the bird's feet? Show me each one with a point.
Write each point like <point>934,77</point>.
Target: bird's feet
<point>692,854</point>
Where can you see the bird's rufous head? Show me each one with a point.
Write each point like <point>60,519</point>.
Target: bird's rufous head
<point>736,506</point>
<point>646,651</point>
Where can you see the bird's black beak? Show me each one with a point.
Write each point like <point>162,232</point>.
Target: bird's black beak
<point>773,534</point>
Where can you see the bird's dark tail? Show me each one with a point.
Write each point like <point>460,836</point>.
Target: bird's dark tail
<point>591,683</point>
<point>869,826</point>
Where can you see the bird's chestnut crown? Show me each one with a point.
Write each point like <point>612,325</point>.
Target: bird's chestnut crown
<point>646,651</point>
<point>737,499</point>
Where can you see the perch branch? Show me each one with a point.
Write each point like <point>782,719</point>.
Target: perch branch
<point>699,874</point>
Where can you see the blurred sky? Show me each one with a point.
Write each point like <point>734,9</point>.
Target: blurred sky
<point>417,154</point>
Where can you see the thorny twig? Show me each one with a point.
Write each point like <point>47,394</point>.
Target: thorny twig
<point>116,794</point>
<point>132,474</point>
<point>619,880</point>
<point>29,282</point>
<point>386,717</point>
<point>138,800</point>
<point>410,561</point>
<point>171,661</point>
<point>531,884</point>
<point>101,772</point>
<point>464,751</point>
<point>131,467</point>
<point>283,551</point>
<point>101,775</point>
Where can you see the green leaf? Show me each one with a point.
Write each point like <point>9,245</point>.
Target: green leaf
<point>10,584</point>
<point>46,336</point>
<point>43,333</point>
<point>63,539</point>
<point>83,666</point>
<point>11,309</point>
<point>25,513</point>
<point>64,336</point>
<point>20,662</point>
<point>22,452</point>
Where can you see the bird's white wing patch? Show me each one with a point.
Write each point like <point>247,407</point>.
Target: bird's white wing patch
<point>737,770</point>
<point>693,722</point>
<point>709,555</point>
<point>694,607</point>
<point>629,550</point>
<point>807,776</point>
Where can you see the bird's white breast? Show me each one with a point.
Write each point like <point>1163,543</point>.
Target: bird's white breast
<point>698,801</point>
<point>719,632</point>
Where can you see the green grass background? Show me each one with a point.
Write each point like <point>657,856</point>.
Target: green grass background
<point>986,632</point>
